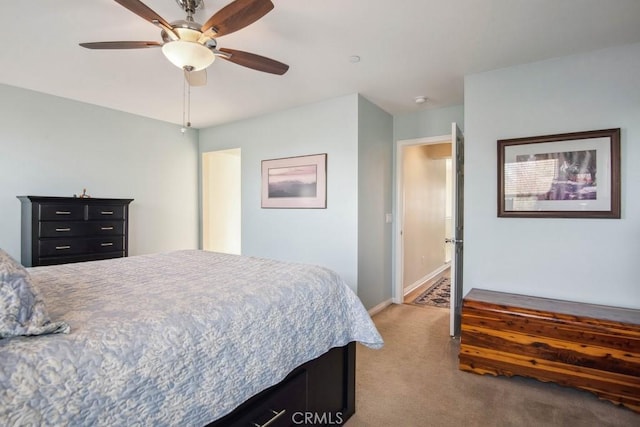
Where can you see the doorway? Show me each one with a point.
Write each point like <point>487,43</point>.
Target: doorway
<point>454,239</point>
<point>426,213</point>
<point>221,201</point>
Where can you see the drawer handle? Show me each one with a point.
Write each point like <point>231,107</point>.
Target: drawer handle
<point>106,212</point>
<point>273,419</point>
<point>61,248</point>
<point>62,229</point>
<point>106,244</point>
<point>106,228</point>
<point>63,213</point>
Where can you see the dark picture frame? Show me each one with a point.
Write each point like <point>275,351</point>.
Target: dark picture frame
<point>569,175</point>
<point>295,182</point>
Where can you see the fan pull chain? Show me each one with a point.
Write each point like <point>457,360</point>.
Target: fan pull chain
<point>184,108</point>
<point>186,101</point>
<point>188,104</point>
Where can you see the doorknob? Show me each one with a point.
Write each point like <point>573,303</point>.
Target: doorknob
<point>453,241</point>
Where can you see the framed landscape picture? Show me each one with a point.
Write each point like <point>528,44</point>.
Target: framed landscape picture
<point>295,182</point>
<point>571,175</point>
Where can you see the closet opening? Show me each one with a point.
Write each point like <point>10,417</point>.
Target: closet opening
<point>222,201</point>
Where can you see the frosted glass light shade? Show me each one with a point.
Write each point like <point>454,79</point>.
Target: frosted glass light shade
<point>184,53</point>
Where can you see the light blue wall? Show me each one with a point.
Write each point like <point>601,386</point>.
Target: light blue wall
<point>585,260</point>
<point>327,237</point>
<point>54,146</point>
<point>428,122</point>
<point>375,153</point>
<point>51,146</point>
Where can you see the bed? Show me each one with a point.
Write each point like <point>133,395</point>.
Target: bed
<point>185,338</point>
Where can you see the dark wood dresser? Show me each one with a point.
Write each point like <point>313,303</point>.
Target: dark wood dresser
<point>60,230</point>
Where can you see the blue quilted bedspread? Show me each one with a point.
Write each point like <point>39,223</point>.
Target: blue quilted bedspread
<point>175,339</point>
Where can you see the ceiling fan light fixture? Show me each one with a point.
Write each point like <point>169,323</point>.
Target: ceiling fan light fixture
<point>188,31</point>
<point>183,53</point>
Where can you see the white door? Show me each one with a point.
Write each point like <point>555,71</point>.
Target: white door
<point>457,154</point>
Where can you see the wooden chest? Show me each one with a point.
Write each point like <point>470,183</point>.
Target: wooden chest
<point>591,347</point>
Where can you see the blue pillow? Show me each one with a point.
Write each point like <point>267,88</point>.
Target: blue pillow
<point>22,310</point>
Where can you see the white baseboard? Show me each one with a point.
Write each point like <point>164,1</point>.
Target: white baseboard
<point>426,278</point>
<point>378,308</point>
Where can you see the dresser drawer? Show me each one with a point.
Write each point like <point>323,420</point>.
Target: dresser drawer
<point>105,212</point>
<point>106,244</point>
<point>62,212</point>
<point>61,247</point>
<point>71,246</point>
<point>55,260</point>
<point>283,405</point>
<point>80,228</point>
<point>62,228</point>
<point>105,228</point>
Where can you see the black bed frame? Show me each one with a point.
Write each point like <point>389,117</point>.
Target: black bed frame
<point>319,392</point>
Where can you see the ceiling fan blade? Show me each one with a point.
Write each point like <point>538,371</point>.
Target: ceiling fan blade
<point>145,12</point>
<point>256,62</point>
<point>196,78</point>
<point>120,45</point>
<point>237,15</point>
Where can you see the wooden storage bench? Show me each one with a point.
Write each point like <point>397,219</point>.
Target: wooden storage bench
<point>591,347</point>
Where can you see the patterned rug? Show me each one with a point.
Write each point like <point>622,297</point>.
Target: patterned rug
<point>437,295</point>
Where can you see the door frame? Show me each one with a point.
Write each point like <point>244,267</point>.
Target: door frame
<point>398,210</point>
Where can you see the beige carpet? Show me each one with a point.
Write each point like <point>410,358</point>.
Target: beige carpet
<point>414,381</point>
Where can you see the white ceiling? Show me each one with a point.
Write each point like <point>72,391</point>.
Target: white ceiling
<point>408,48</point>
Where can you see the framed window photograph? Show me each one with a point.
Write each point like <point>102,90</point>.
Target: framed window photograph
<point>571,175</point>
<point>295,182</point>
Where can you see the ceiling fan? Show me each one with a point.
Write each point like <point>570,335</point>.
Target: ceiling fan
<point>192,46</point>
